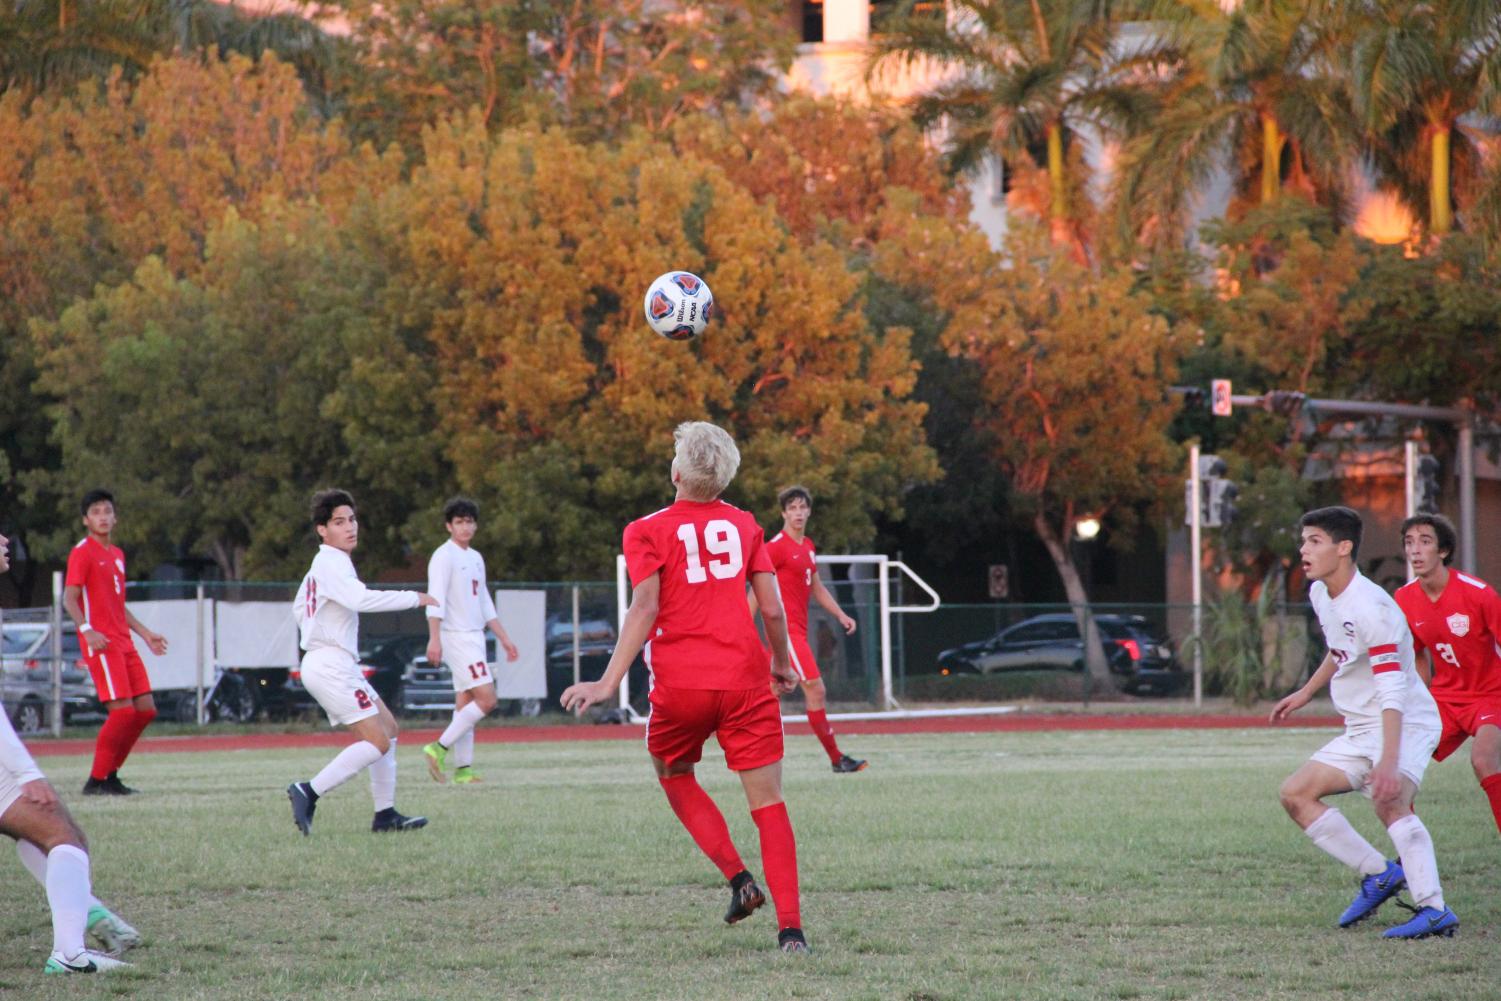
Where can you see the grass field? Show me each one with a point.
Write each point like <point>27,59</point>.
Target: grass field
<point>1026,865</point>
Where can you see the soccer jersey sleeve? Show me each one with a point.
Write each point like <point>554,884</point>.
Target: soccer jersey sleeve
<point>758,560</point>
<point>78,568</point>
<point>642,555</point>
<point>1490,611</point>
<point>14,757</point>
<point>1382,633</point>
<point>343,585</point>
<point>437,582</point>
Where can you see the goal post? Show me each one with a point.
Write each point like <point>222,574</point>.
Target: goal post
<point>877,572</point>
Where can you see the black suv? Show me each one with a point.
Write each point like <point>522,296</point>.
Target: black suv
<point>1144,662</point>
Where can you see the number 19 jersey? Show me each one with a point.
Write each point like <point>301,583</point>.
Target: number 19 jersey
<point>704,636</point>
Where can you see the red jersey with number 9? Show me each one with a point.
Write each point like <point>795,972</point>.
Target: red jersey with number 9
<point>100,571</point>
<point>1460,631</point>
<point>704,636</point>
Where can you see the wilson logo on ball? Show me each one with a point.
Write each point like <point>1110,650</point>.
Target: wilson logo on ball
<point>688,283</point>
<point>660,306</point>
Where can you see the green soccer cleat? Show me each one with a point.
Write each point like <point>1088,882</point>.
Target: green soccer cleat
<point>464,775</point>
<point>111,931</point>
<point>85,962</point>
<point>437,761</point>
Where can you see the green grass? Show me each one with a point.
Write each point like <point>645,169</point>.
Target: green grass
<point>1031,865</point>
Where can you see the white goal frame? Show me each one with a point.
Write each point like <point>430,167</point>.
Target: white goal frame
<point>885,567</point>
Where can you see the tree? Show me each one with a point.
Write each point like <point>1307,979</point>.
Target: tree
<point>1417,69</point>
<point>1072,367</point>
<point>1018,78</point>
<point>557,402</point>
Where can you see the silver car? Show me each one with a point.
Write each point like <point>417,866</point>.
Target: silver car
<point>26,676</point>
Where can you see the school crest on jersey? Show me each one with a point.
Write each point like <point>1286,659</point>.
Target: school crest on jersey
<point>1458,623</point>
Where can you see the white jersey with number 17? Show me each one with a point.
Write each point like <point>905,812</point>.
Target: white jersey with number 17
<point>456,578</point>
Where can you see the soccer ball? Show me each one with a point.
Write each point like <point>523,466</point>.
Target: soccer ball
<point>679,305</point>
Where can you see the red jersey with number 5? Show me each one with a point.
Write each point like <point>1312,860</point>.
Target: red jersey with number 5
<point>796,568</point>
<point>1460,631</point>
<point>100,571</point>
<point>704,636</point>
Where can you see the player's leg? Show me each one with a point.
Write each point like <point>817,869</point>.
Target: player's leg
<point>112,683</point>
<point>816,698</point>
<point>1485,758</point>
<point>1414,844</point>
<point>463,747</point>
<point>144,707</point>
<point>474,699</point>
<point>50,834</point>
<point>333,679</point>
<point>383,778</point>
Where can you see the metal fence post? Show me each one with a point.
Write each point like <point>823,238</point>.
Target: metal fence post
<point>56,622</point>
<point>200,715</point>
<point>577,656</point>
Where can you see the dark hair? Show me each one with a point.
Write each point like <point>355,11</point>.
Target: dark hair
<point>460,507</point>
<point>326,502</point>
<point>1442,527</point>
<point>1342,524</point>
<point>94,497</point>
<point>792,493</point>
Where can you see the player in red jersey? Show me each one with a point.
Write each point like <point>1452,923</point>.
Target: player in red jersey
<point>94,596</point>
<point>792,555</point>
<point>1456,625</point>
<point>689,564</point>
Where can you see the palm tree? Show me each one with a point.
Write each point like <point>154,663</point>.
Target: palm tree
<point>1257,86</point>
<point>1017,80</point>
<point>1417,69</point>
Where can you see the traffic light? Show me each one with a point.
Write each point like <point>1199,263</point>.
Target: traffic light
<point>1222,494</point>
<point>1426,485</point>
<point>1216,494</point>
<point>1284,402</point>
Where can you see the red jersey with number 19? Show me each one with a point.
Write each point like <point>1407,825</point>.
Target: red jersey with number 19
<point>796,568</point>
<point>100,571</point>
<point>704,636</point>
<point>1460,631</point>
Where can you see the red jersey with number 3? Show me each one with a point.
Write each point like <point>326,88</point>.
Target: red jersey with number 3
<point>796,568</point>
<point>1460,631</point>
<point>100,571</point>
<point>704,636</point>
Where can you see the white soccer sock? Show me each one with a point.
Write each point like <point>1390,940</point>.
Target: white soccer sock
<point>1333,833</point>
<point>463,723</point>
<point>383,779</point>
<point>68,895</point>
<point>463,750</point>
<point>35,861</point>
<point>346,765</point>
<point>1415,848</point>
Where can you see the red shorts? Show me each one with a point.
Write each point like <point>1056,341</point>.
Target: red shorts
<point>803,663</point>
<point>118,671</point>
<point>747,722</point>
<point>1462,720</point>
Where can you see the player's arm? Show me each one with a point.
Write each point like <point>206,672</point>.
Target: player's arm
<point>764,587</point>
<point>634,632</point>
<point>825,599</point>
<point>437,583</point>
<point>750,599</point>
<point>1297,700</point>
<point>1384,644</point>
<point>156,641</point>
<point>492,619</point>
<point>74,607</point>
<point>345,588</point>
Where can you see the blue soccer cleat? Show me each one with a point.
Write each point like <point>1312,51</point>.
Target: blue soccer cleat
<point>1428,921</point>
<point>1374,891</point>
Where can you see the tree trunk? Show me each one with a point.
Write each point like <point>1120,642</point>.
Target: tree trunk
<point>1073,586</point>
<point>1271,159</point>
<point>1440,218</point>
<point>1059,207</point>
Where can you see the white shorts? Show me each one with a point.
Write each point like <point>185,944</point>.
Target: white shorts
<point>464,653</point>
<point>334,678</point>
<point>10,788</point>
<point>1356,754</point>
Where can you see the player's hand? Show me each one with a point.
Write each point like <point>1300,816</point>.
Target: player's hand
<point>1297,700</point>
<point>434,652</point>
<point>426,601</point>
<point>783,678</point>
<point>157,642</point>
<point>39,792</point>
<point>577,698</point>
<point>847,624</point>
<point>1386,784</point>
<point>512,654</point>
<point>95,639</point>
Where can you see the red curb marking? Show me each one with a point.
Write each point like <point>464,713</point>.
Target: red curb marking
<point>538,734</point>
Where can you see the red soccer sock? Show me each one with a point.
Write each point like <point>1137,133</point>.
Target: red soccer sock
<point>119,726</point>
<point>779,859</point>
<point>704,822</point>
<point>819,721</point>
<point>1492,786</point>
<point>140,720</point>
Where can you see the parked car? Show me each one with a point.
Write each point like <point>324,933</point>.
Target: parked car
<point>26,677</point>
<point>1144,662</point>
<point>596,643</point>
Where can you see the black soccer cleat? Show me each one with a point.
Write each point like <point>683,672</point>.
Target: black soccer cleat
<point>745,897</point>
<point>304,802</point>
<point>96,787</point>
<point>791,940</point>
<point>849,764</point>
<point>390,820</point>
<point>115,787</point>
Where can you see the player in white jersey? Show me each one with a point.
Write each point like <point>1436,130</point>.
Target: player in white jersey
<point>328,606</point>
<point>1391,728</point>
<point>53,849</point>
<point>456,636</point>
